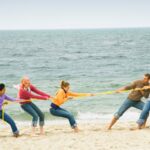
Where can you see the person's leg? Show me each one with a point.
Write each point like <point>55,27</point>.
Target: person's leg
<point>41,116</point>
<point>124,107</point>
<point>64,113</point>
<point>28,108</point>
<point>10,121</point>
<point>144,114</point>
<point>74,124</point>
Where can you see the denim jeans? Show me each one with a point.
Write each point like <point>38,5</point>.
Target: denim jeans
<point>60,112</point>
<point>126,105</point>
<point>10,121</point>
<point>35,112</point>
<point>144,114</point>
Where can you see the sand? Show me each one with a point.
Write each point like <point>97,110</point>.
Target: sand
<point>93,136</point>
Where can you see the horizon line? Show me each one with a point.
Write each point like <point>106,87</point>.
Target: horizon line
<point>92,28</point>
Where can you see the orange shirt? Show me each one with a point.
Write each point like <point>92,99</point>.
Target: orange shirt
<point>61,97</point>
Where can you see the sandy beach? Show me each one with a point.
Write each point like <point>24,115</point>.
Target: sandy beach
<point>74,62</point>
<point>93,136</point>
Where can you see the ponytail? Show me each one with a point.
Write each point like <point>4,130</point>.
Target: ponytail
<point>64,84</point>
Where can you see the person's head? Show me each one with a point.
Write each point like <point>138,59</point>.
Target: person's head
<point>146,77</point>
<point>65,85</point>
<point>2,89</point>
<point>25,82</point>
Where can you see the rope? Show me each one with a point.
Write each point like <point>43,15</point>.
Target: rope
<point>114,92</point>
<point>3,111</point>
<point>96,94</point>
<point>88,95</point>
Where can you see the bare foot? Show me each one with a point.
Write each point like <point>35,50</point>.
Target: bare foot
<point>137,128</point>
<point>134,128</point>
<point>144,126</point>
<point>141,126</point>
<point>33,133</point>
<point>76,130</point>
<point>16,135</point>
<point>108,128</point>
<point>42,131</point>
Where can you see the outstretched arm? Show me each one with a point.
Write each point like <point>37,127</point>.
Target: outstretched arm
<point>37,91</point>
<point>129,87</point>
<point>79,94</point>
<point>38,96</point>
<point>14,99</point>
<point>10,98</point>
<point>30,95</point>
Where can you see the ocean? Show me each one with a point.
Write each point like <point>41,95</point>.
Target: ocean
<point>92,60</point>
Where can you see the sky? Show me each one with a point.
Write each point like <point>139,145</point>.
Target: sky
<point>68,14</point>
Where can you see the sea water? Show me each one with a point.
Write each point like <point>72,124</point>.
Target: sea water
<point>92,60</point>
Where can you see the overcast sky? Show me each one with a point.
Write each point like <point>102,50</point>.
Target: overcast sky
<point>53,14</point>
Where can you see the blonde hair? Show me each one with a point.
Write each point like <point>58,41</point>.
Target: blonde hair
<point>25,78</point>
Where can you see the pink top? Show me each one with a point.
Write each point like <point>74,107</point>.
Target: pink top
<point>28,94</point>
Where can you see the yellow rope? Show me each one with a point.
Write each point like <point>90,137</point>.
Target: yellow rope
<point>111,92</point>
<point>3,111</point>
<point>8,103</point>
<point>96,94</point>
<point>3,115</point>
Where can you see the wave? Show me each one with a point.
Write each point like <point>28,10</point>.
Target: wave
<point>81,118</point>
<point>128,116</point>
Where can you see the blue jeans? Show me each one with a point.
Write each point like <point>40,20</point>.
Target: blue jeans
<point>10,121</point>
<point>60,112</point>
<point>144,114</point>
<point>35,112</point>
<point>126,105</point>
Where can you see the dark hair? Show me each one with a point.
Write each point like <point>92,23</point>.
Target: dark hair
<point>2,86</point>
<point>147,75</point>
<point>64,84</point>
